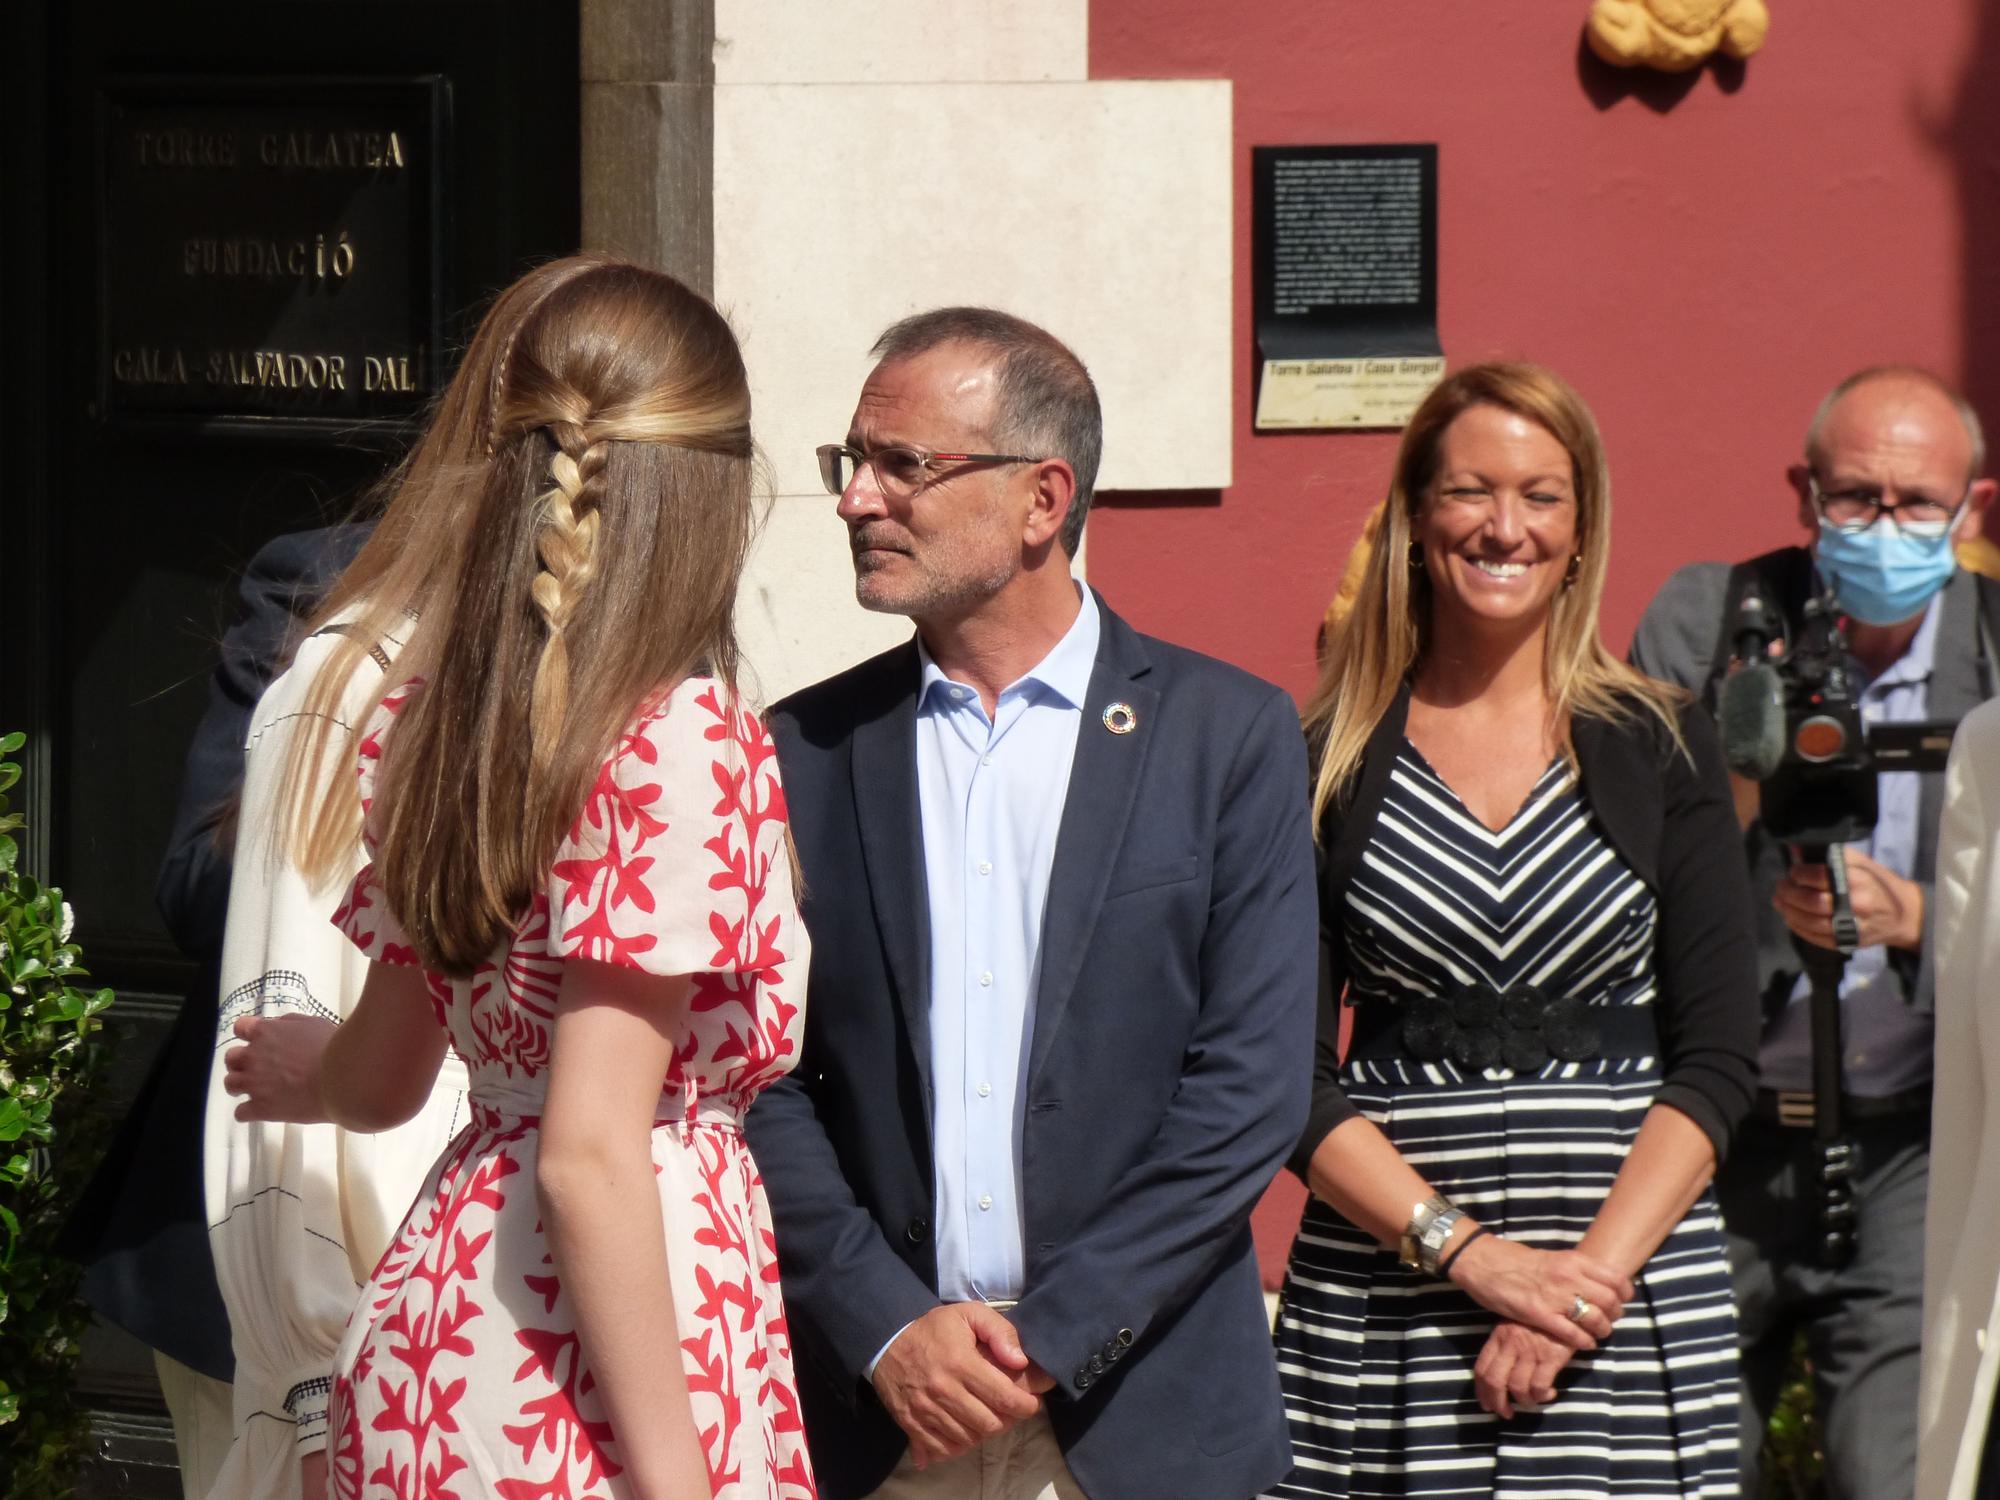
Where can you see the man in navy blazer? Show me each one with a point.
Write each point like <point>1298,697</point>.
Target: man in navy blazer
<point>1059,884</point>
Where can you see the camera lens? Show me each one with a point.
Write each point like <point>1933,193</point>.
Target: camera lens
<point>1819,738</point>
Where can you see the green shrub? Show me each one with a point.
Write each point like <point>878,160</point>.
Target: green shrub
<point>48,1056</point>
<point>1794,1466</point>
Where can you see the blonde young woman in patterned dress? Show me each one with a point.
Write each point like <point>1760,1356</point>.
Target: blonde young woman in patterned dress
<point>580,872</point>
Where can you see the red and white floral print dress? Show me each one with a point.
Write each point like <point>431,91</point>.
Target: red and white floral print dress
<point>461,1374</point>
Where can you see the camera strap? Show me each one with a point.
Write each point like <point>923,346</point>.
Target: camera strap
<point>1989,633</point>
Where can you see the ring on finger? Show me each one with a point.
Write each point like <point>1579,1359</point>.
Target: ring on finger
<point>1579,1308</point>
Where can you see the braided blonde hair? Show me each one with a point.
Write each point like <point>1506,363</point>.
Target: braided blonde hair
<point>570,532</point>
<point>568,549</point>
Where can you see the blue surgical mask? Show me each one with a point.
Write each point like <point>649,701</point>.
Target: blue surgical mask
<point>1881,575</point>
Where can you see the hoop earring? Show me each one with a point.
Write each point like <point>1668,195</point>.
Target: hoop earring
<point>1575,568</point>
<point>1416,557</point>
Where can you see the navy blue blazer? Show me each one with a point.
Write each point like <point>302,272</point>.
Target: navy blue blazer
<point>1168,1072</point>
<point>140,1227</point>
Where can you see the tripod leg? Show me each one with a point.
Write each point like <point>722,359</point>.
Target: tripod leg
<point>1833,1153</point>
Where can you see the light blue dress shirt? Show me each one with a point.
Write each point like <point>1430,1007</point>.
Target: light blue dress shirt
<point>1886,1042</point>
<point>991,795</point>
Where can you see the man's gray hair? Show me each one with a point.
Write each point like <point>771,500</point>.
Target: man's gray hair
<point>1975,433</point>
<point>1045,403</point>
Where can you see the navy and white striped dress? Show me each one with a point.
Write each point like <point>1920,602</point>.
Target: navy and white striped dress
<point>1376,1359</point>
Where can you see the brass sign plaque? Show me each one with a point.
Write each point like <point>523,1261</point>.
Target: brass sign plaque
<point>270,256</point>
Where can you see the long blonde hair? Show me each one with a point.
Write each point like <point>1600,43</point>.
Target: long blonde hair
<point>1382,638</point>
<point>568,533</point>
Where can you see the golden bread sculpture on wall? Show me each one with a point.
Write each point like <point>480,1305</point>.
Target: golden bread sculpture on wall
<point>1675,35</point>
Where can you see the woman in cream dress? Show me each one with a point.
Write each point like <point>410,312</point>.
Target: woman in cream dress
<point>1961,1350</point>
<point>298,1214</point>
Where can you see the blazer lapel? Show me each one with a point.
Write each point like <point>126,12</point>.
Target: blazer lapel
<point>1955,688</point>
<point>1617,774</point>
<point>1345,830</point>
<point>1103,785</point>
<point>892,849</point>
<point>1954,691</point>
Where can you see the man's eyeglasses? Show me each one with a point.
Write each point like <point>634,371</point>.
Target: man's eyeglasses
<point>901,472</point>
<point>1857,507</point>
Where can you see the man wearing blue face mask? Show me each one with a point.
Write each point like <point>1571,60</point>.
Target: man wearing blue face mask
<point>1892,475</point>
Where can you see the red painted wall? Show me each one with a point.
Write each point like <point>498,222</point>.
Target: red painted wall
<point>1701,256</point>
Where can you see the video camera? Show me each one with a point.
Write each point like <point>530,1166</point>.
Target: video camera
<point>1791,722</point>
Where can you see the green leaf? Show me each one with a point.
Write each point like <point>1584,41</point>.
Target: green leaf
<point>51,1065</point>
<point>63,1005</point>
<point>9,743</point>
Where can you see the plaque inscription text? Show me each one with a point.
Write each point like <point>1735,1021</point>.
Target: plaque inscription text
<point>269,251</point>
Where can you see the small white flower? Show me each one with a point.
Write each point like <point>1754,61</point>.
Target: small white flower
<point>68,923</point>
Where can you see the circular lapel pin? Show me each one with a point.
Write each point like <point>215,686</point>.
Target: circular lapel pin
<point>1120,719</point>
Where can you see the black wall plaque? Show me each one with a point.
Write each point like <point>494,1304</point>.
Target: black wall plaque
<point>1345,250</point>
<point>268,251</point>
<point>1344,272</point>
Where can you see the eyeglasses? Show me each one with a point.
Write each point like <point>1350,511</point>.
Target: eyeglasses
<point>1858,507</point>
<point>900,471</point>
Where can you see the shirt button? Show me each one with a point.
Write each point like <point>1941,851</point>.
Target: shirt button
<point>985,1089</point>
<point>961,694</point>
<point>986,978</point>
<point>985,1201</point>
<point>986,760</point>
<point>986,867</point>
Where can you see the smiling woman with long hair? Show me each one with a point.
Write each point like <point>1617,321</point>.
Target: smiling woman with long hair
<point>1511,1277</point>
<point>580,872</point>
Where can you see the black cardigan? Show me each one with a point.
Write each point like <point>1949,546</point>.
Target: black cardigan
<point>1674,825</point>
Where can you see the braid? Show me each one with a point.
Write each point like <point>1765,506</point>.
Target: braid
<point>567,546</point>
<point>497,391</point>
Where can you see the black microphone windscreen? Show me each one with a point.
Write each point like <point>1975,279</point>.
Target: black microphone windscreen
<point>1751,716</point>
